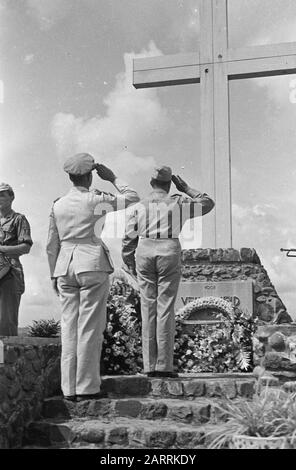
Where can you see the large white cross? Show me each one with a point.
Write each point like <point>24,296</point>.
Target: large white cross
<point>213,66</point>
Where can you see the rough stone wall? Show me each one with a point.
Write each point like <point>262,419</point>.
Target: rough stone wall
<point>230,264</point>
<point>275,350</point>
<point>29,372</point>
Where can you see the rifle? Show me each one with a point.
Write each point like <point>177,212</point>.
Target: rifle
<point>289,251</point>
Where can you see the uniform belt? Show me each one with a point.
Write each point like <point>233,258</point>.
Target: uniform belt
<point>160,238</point>
<point>82,241</point>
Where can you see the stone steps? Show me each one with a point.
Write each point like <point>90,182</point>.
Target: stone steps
<point>118,433</point>
<point>186,386</point>
<point>199,411</point>
<point>139,412</point>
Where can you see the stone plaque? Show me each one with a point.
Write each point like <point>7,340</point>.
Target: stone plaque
<point>239,293</point>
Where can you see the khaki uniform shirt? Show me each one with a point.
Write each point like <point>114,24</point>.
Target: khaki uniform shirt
<point>15,230</point>
<point>161,216</point>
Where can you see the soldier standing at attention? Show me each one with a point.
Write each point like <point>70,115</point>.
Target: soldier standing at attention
<point>80,265</point>
<point>152,231</point>
<point>15,241</point>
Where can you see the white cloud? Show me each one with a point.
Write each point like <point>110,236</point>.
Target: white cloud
<point>255,213</point>
<point>29,59</point>
<point>236,174</point>
<point>269,219</point>
<point>48,12</point>
<point>280,89</point>
<point>132,119</point>
<point>1,92</point>
<point>194,20</point>
<point>2,6</point>
<point>284,32</point>
<point>185,26</point>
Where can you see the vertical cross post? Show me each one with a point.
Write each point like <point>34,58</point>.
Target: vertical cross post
<point>222,126</point>
<point>215,134</point>
<point>207,147</point>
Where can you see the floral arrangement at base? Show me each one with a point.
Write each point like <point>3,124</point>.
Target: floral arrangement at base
<point>122,345</point>
<point>220,347</point>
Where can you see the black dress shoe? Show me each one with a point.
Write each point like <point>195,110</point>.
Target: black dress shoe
<point>151,374</point>
<point>169,374</point>
<point>70,397</point>
<point>93,396</point>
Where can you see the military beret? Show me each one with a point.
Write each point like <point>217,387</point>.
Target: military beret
<point>79,164</point>
<point>5,187</point>
<point>162,173</point>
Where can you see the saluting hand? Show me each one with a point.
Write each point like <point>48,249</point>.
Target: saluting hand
<point>180,184</point>
<point>105,173</point>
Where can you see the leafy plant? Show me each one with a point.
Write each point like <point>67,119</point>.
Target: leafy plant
<point>45,328</point>
<point>270,413</point>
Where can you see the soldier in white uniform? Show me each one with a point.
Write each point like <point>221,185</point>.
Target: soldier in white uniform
<point>152,231</point>
<point>80,265</point>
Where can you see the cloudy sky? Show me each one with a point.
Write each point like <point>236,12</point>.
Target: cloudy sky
<point>66,70</point>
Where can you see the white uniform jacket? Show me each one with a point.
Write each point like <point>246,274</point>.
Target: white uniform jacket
<point>75,227</point>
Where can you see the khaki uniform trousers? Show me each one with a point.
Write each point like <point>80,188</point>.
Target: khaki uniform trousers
<point>158,264</point>
<point>83,299</point>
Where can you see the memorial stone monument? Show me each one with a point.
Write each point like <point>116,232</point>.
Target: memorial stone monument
<point>236,275</point>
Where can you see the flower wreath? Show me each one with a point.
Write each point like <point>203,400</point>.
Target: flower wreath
<point>214,303</point>
<point>238,327</point>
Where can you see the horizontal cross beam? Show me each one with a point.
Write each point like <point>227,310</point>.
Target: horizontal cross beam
<point>166,70</point>
<point>262,52</point>
<point>261,61</point>
<point>248,62</point>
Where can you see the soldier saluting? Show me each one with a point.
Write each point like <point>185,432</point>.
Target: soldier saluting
<point>152,231</point>
<point>80,265</point>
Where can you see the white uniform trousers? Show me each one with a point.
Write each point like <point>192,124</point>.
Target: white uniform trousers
<point>158,263</point>
<point>83,299</point>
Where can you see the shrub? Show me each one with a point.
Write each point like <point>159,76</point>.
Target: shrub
<point>45,328</point>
